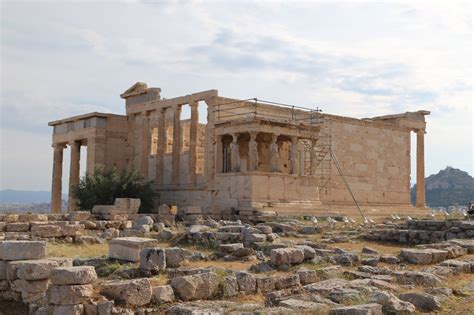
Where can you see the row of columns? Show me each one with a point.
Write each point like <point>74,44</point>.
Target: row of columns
<point>74,175</point>
<point>177,144</point>
<point>274,154</point>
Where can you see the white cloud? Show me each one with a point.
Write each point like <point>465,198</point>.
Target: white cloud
<point>351,58</point>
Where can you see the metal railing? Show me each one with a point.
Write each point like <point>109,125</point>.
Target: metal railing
<point>256,108</point>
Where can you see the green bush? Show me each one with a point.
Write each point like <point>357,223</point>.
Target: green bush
<point>102,187</point>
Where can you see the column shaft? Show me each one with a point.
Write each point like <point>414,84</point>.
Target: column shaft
<point>56,188</point>
<point>74,174</point>
<point>219,155</point>
<point>160,146</point>
<point>176,145</point>
<point>193,132</point>
<point>420,168</point>
<point>146,143</point>
<point>293,155</point>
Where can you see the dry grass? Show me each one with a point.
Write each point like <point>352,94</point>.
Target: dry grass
<point>236,265</point>
<point>393,249</point>
<point>257,298</point>
<point>75,251</point>
<point>161,279</point>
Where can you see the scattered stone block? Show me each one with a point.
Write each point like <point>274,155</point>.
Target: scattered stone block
<point>18,227</point>
<point>362,309</point>
<point>78,216</point>
<point>69,294</point>
<point>230,248</point>
<point>77,309</point>
<point>196,287</point>
<point>35,269</point>
<point>135,292</point>
<point>129,248</point>
<point>309,252</point>
<point>73,275</point>
<point>389,259</point>
<point>36,286</point>
<point>369,251</point>
<point>390,303</point>
<point>230,287</point>
<point>286,256</point>
<point>246,281</point>
<point>22,250</point>
<point>458,265</point>
<point>33,217</point>
<point>287,282</point>
<point>417,278</point>
<point>162,294</point>
<point>266,284</point>
<point>422,301</point>
<point>295,304</point>
<point>307,276</point>
<point>175,256</point>
<point>152,259</point>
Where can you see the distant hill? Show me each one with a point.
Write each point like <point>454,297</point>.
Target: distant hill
<point>448,187</point>
<point>25,196</point>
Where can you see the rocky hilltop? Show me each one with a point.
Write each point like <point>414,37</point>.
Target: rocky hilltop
<point>448,187</point>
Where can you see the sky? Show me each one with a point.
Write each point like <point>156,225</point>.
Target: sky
<point>351,58</point>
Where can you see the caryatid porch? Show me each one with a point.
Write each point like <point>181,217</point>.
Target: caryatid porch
<point>274,161</point>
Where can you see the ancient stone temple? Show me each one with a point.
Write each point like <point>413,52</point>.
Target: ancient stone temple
<point>250,155</point>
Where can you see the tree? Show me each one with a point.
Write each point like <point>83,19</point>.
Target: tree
<point>102,187</point>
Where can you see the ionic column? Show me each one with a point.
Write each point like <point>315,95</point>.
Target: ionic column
<point>253,151</point>
<point>312,157</point>
<point>56,188</point>
<point>293,155</point>
<point>420,169</point>
<point>74,174</point>
<point>193,131</point>
<point>219,155</point>
<point>160,146</point>
<point>234,154</point>
<point>176,145</point>
<point>274,155</point>
<point>146,137</point>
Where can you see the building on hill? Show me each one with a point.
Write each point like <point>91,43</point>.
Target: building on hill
<point>250,156</point>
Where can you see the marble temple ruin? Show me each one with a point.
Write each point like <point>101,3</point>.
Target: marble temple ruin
<point>250,155</point>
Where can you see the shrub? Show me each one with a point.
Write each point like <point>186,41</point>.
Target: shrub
<point>102,187</point>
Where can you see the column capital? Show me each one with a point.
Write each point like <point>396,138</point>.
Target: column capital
<point>274,137</point>
<point>193,104</point>
<point>59,146</point>
<point>253,135</point>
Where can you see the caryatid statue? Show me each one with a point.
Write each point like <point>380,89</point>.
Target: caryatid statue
<point>274,155</point>
<point>253,151</point>
<point>234,154</point>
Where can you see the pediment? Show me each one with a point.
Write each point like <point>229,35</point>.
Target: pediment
<point>136,89</point>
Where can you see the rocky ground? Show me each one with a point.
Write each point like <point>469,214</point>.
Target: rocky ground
<point>229,267</point>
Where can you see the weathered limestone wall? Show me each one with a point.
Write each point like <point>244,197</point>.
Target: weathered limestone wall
<point>375,160</point>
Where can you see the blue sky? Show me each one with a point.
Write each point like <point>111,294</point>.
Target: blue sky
<point>352,58</point>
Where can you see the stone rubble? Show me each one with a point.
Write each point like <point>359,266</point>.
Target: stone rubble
<point>344,282</point>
